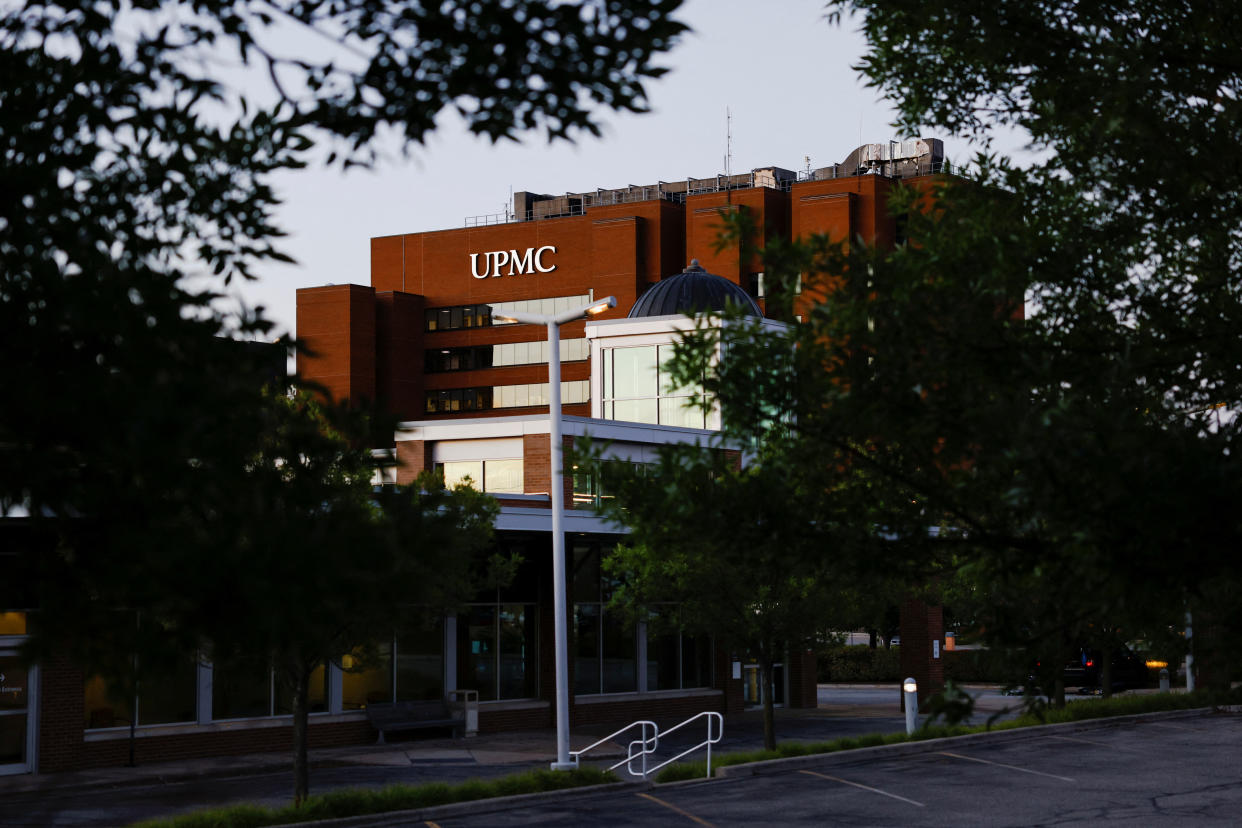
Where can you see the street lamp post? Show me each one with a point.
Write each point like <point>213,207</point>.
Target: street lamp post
<point>561,619</point>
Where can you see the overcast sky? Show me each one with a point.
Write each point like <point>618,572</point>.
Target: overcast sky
<point>778,66</point>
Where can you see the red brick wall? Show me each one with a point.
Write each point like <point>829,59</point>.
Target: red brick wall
<point>399,354</point>
<point>920,626</point>
<point>62,715</point>
<point>336,324</point>
<point>413,458</point>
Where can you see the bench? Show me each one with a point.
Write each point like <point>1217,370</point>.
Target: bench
<point>413,715</point>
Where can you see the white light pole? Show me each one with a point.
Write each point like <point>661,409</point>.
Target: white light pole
<point>561,619</point>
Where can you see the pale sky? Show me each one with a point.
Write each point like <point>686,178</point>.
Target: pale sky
<point>778,66</point>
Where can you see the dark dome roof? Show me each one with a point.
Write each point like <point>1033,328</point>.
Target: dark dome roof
<point>694,290</point>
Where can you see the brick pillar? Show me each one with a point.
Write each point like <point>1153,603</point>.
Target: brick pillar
<point>413,458</point>
<point>62,716</point>
<point>922,635</point>
<point>733,696</point>
<point>536,463</point>
<point>803,690</point>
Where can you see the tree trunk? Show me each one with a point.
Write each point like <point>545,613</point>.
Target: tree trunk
<point>301,773</point>
<point>872,638</point>
<point>1058,692</point>
<point>765,693</point>
<point>1106,673</point>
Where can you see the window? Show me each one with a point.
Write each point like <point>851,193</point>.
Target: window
<point>675,660</point>
<point>755,282</point>
<point>480,315</point>
<point>590,489</point>
<point>498,476</point>
<point>442,360</point>
<point>249,689</point>
<point>451,400</point>
<point>498,638</point>
<point>605,647</point>
<point>637,388</point>
<point>162,699</point>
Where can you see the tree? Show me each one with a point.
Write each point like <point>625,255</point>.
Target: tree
<point>128,166</point>
<point>317,566</point>
<point>733,547</point>
<point>1080,452</point>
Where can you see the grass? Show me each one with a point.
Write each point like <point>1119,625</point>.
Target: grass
<point>358,802</point>
<point>1097,709</point>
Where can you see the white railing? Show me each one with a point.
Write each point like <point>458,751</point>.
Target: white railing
<point>711,716</point>
<point>646,746</point>
<point>639,749</point>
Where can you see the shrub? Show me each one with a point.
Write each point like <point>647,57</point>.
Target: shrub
<point>858,664</point>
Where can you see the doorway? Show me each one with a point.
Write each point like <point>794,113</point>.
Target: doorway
<point>18,714</point>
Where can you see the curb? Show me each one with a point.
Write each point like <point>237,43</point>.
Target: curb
<point>471,808</point>
<point>768,766</point>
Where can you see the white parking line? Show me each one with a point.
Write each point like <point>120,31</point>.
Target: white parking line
<point>1175,727</point>
<point>677,810</point>
<point>864,787</point>
<point>1090,742</point>
<point>1003,765</point>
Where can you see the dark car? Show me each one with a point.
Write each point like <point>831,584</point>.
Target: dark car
<point>1086,671</point>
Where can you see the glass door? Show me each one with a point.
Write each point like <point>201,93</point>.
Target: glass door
<point>16,715</point>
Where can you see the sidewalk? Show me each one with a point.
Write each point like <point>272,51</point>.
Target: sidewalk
<point>520,748</point>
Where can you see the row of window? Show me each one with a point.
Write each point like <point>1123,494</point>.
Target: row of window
<point>496,650</point>
<point>489,397</point>
<point>480,315</point>
<point>502,355</point>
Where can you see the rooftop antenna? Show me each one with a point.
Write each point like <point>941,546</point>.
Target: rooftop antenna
<point>806,159</point>
<point>728,143</point>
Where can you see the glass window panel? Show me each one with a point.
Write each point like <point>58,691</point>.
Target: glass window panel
<point>502,355</point>
<point>242,691</point>
<point>679,411</point>
<point>696,661</point>
<point>521,396</point>
<point>609,391</point>
<point>457,471</point>
<point>518,666</point>
<point>455,318</point>
<point>444,319</point>
<point>16,684</point>
<point>584,577</point>
<point>104,707</point>
<point>13,739</point>
<point>170,698</point>
<point>477,651</point>
<point>634,372</point>
<point>366,681</point>
<point>663,660</point>
<point>420,658</point>
<point>586,649</point>
<point>503,476</point>
<point>667,388</point>
<point>636,411</point>
<point>316,695</point>
<point>12,623</point>
<point>620,669</point>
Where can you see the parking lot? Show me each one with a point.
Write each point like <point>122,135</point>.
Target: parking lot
<point>1174,771</point>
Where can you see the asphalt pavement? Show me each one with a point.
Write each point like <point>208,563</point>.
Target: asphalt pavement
<point>119,796</point>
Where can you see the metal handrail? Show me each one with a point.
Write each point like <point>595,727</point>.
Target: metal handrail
<point>648,745</point>
<point>712,716</point>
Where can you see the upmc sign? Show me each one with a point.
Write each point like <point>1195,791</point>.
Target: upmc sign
<point>531,261</point>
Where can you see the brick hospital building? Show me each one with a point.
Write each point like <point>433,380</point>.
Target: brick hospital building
<point>423,340</point>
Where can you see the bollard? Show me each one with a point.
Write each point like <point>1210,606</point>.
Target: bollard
<point>911,688</point>
<point>1164,679</point>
